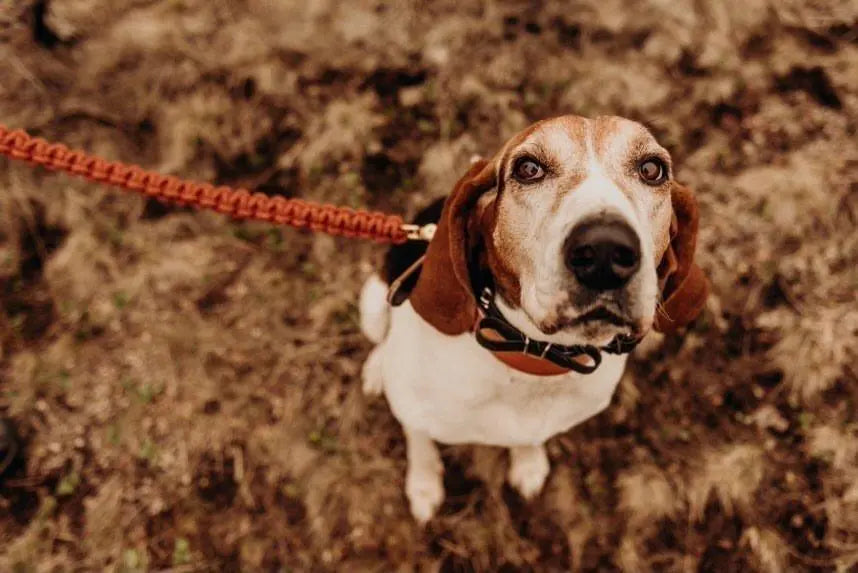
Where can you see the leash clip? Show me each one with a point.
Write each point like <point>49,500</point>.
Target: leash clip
<point>419,232</point>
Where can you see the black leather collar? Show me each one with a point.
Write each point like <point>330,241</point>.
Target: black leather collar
<point>513,340</point>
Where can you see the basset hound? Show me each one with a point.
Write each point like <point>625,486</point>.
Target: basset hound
<point>549,263</point>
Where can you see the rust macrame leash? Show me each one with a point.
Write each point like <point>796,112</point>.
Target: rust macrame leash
<point>239,203</point>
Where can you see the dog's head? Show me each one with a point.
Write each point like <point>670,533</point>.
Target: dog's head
<point>583,230</point>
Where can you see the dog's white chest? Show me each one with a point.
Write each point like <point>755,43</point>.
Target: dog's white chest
<point>451,388</point>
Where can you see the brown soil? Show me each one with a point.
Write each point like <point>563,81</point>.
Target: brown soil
<point>187,387</point>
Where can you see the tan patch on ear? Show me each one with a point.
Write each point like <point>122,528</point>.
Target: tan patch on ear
<point>443,295</point>
<point>684,286</point>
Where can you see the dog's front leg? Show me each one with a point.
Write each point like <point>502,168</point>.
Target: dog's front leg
<point>528,469</point>
<point>424,486</point>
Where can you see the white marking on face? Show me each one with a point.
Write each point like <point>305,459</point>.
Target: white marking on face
<point>591,169</point>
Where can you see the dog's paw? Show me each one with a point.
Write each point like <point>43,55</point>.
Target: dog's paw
<point>373,381</point>
<point>528,470</point>
<point>425,492</point>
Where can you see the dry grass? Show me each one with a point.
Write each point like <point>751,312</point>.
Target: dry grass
<point>187,387</point>
<point>732,475</point>
<point>647,496</point>
<point>767,548</point>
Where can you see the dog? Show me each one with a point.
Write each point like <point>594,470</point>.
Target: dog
<point>549,262</point>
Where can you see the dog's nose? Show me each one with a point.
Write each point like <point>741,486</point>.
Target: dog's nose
<point>603,253</point>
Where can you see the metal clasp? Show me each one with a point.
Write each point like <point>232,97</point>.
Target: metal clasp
<point>419,232</point>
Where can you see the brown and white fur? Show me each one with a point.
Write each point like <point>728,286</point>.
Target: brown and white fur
<point>440,384</point>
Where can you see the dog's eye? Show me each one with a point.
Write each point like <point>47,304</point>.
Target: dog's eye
<point>527,170</point>
<point>653,171</point>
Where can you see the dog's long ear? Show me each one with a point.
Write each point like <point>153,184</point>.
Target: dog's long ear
<point>684,287</point>
<point>443,295</point>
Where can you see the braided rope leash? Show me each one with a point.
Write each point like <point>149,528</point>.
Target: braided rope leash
<point>18,145</point>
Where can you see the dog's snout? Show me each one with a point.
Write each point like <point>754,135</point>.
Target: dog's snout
<point>603,253</point>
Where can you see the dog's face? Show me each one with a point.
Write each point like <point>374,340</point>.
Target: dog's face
<point>582,212</point>
<point>583,230</point>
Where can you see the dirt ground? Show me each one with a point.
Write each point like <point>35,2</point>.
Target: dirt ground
<point>187,387</point>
